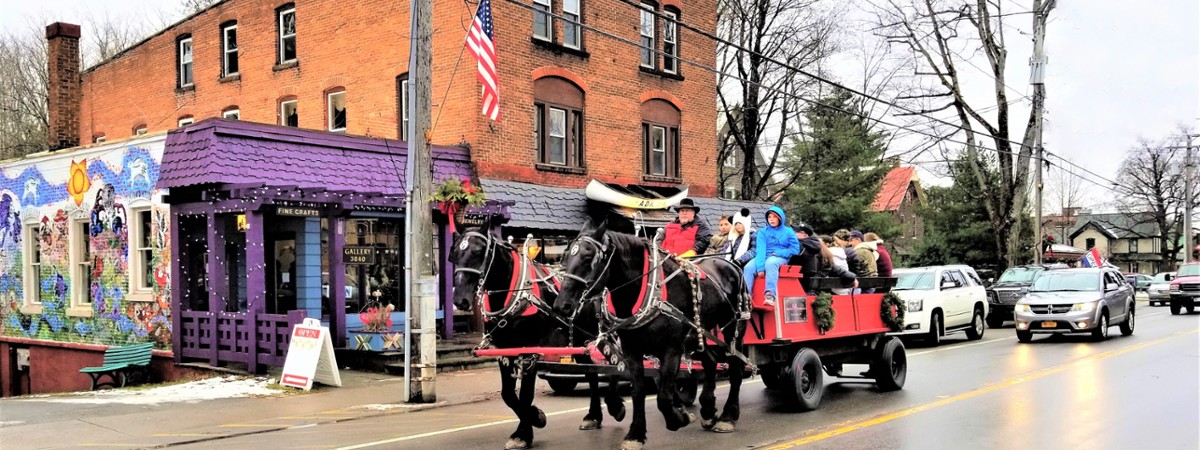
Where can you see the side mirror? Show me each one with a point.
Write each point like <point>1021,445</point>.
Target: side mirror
<point>1169,277</point>
<point>949,284</point>
<point>1110,286</point>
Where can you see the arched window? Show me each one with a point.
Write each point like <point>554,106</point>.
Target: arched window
<point>660,139</point>
<point>558,122</point>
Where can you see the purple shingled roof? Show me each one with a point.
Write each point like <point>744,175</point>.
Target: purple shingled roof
<point>218,151</point>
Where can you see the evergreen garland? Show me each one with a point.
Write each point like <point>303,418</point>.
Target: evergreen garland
<point>823,308</point>
<point>893,318</point>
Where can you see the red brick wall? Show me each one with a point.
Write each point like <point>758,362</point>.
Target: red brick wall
<point>62,56</point>
<point>362,45</point>
<point>55,368</point>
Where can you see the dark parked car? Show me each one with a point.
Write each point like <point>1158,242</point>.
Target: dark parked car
<point>1003,294</point>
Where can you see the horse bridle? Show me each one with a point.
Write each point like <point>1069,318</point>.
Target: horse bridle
<point>489,256</point>
<point>602,249</point>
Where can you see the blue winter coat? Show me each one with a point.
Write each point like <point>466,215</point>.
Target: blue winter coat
<point>775,241</point>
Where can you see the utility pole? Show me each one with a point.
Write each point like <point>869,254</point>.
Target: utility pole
<point>420,300</point>
<point>1037,65</point>
<point>1188,189</point>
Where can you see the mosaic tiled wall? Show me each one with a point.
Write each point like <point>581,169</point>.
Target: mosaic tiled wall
<point>99,185</point>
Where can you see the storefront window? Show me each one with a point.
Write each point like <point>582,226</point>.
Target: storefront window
<point>378,280</point>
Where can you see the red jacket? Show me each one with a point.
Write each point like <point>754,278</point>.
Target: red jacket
<point>680,238</point>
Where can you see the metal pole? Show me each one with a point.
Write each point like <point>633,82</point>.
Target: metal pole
<point>418,216</point>
<point>1187,203</point>
<point>1036,78</point>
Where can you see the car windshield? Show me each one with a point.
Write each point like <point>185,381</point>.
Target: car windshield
<point>1067,281</point>
<point>1190,270</point>
<point>1019,275</point>
<point>918,281</point>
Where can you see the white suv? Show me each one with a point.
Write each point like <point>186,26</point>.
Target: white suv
<point>940,300</point>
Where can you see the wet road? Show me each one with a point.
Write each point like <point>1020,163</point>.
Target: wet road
<point>1063,392</point>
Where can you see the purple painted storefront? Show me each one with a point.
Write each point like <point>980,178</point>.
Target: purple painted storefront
<point>262,216</point>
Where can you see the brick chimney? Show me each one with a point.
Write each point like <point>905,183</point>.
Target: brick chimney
<point>65,85</point>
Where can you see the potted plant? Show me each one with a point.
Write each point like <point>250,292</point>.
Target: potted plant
<point>376,332</point>
<point>454,196</point>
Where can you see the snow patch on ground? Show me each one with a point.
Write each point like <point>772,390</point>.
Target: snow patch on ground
<point>391,406</point>
<point>192,392</point>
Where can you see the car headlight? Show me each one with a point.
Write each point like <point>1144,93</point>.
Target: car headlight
<point>1174,288</point>
<point>1024,308</point>
<point>1084,307</point>
<point>915,305</point>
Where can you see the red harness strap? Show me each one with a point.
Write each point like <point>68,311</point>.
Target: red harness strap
<point>641,298</point>
<point>512,287</point>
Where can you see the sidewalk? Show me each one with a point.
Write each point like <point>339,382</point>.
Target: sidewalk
<point>60,421</point>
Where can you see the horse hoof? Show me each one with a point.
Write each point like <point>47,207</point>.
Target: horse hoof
<point>541,419</point>
<point>724,427</point>
<point>618,414</point>
<point>632,445</point>
<point>589,424</point>
<point>707,424</point>
<point>516,444</point>
<point>691,417</point>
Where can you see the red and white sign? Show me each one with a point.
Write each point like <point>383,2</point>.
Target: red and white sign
<point>310,357</point>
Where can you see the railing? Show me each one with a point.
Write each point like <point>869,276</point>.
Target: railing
<point>248,338</point>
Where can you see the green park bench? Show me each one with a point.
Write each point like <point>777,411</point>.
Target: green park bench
<point>119,362</point>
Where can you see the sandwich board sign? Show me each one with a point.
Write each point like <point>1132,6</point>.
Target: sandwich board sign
<point>310,357</point>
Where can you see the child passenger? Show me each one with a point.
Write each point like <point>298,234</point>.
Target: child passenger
<point>776,242</point>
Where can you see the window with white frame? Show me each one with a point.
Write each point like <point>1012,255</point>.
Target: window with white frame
<point>543,27</point>
<point>288,115</point>
<point>99,139</point>
<point>232,114</point>
<point>141,253</point>
<point>139,130</point>
<point>336,105</point>
<point>1133,245</point>
<point>647,30</point>
<point>186,120</point>
<point>229,49</point>
<point>670,42</point>
<point>402,87</point>
<point>572,32</point>
<point>33,264</point>
<point>731,160</point>
<point>730,192</point>
<point>81,263</point>
<point>658,150</point>
<point>185,62</point>
<point>287,35</point>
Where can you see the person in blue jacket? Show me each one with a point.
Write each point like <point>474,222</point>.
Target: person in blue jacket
<point>775,243</point>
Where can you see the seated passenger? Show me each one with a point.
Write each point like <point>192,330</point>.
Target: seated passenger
<point>719,239</point>
<point>810,251</point>
<point>833,264</point>
<point>687,235</point>
<point>739,247</point>
<point>776,243</point>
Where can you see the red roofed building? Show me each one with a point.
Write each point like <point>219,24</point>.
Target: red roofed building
<point>901,194</point>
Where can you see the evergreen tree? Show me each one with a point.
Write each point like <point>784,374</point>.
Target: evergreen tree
<point>840,166</point>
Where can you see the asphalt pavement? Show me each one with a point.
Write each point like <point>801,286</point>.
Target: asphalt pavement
<point>1056,392</point>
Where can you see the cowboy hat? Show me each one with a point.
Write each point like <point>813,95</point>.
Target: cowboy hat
<point>687,203</point>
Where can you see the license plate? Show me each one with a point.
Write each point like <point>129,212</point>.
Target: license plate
<point>568,359</point>
<point>1050,324</point>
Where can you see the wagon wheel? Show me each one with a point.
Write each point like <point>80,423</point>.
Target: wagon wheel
<point>890,365</point>
<point>562,387</point>
<point>808,379</point>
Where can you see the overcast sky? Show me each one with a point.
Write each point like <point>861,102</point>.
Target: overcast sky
<point>1119,70</point>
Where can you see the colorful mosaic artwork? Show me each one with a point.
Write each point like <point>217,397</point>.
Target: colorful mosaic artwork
<point>96,191</point>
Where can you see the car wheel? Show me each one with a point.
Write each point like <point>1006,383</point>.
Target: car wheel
<point>1191,308</point>
<point>562,387</point>
<point>1101,331</point>
<point>1024,336</point>
<point>1127,326</point>
<point>935,329</point>
<point>890,367</point>
<point>808,379</point>
<point>1176,308</point>
<point>975,332</point>
<point>995,321</point>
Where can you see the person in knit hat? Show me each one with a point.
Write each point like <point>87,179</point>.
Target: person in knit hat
<point>739,248</point>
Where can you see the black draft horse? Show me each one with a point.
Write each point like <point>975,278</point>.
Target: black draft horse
<point>601,260</point>
<point>479,255</point>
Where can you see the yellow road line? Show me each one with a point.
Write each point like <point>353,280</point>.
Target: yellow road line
<point>180,435</point>
<point>255,425</point>
<point>970,394</point>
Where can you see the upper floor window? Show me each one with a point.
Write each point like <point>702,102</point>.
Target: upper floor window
<point>229,50</point>
<point>231,113</point>
<point>1133,245</point>
<point>185,61</point>
<point>140,130</point>
<point>647,31</point>
<point>287,34</point>
<point>660,139</point>
<point>288,115</point>
<point>99,139</point>
<point>670,41</point>
<point>186,120</point>
<point>543,27</point>
<point>1091,243</point>
<point>731,160</point>
<point>558,122</point>
<point>572,32</point>
<point>336,105</point>
<point>402,95</point>
<point>730,192</point>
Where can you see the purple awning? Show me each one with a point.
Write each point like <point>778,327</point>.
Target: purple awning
<point>218,151</point>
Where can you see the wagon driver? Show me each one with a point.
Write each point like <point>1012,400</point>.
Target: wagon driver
<point>687,235</point>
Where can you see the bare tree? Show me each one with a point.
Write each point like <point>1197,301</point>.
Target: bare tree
<point>1064,189</point>
<point>1153,174</point>
<point>758,98</point>
<point>941,36</point>
<point>195,6</point>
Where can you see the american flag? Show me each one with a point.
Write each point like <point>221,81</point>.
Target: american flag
<point>479,40</point>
